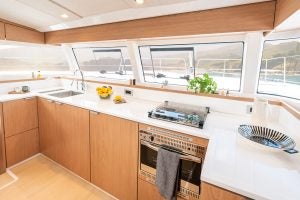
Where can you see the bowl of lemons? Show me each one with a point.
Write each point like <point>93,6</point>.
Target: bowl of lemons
<point>104,92</point>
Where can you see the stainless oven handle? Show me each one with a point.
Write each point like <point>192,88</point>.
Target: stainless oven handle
<point>183,157</point>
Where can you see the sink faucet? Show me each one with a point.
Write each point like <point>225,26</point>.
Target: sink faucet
<point>83,85</point>
<point>165,83</point>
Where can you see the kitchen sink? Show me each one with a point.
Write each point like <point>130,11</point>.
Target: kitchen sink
<point>48,91</point>
<point>64,94</point>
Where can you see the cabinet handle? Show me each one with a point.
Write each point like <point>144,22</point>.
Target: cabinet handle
<point>94,113</point>
<point>28,98</point>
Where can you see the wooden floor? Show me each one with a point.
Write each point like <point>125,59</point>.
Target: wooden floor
<point>42,179</point>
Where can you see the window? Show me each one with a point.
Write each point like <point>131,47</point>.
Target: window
<point>32,58</point>
<point>280,68</point>
<point>104,62</point>
<point>179,63</point>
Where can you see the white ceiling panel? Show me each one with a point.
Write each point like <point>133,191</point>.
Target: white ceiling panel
<point>51,8</point>
<point>14,11</point>
<point>93,7</point>
<point>148,3</point>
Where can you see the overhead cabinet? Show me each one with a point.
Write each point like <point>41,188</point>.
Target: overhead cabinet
<point>22,34</point>
<point>21,129</point>
<point>114,155</point>
<point>64,135</point>
<point>14,32</point>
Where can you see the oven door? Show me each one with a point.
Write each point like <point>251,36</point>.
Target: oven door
<point>189,174</point>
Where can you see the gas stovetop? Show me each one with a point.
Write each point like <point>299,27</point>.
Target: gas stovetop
<point>180,113</point>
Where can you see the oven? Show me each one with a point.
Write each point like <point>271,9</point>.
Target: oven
<point>192,155</point>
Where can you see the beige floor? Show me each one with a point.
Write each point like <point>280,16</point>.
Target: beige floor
<point>41,179</point>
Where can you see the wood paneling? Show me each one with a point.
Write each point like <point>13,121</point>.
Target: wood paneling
<point>49,137</point>
<point>74,139</point>
<point>210,192</point>
<point>284,9</point>
<point>64,135</point>
<point>2,31</point>
<point>20,34</point>
<point>291,109</point>
<point>21,146</point>
<point>114,155</point>
<point>20,115</point>
<point>2,143</point>
<point>251,17</point>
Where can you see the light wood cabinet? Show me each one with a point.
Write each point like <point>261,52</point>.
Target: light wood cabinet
<point>211,192</point>
<point>22,34</point>
<point>64,135</point>
<point>2,144</point>
<point>2,31</point>
<point>114,155</point>
<point>19,116</point>
<point>21,146</point>
<point>48,129</point>
<point>74,139</point>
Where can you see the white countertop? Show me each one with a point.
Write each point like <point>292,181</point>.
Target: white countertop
<point>231,162</point>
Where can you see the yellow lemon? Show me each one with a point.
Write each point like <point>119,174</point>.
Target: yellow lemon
<point>118,98</point>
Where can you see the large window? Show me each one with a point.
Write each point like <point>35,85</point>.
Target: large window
<point>32,58</point>
<point>280,68</point>
<point>104,62</point>
<point>179,63</point>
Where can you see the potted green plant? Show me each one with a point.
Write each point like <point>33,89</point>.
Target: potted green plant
<point>202,84</point>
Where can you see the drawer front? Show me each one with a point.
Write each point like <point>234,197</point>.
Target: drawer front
<point>20,116</point>
<point>21,146</point>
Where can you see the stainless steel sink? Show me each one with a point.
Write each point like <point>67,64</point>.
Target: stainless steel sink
<point>64,94</point>
<point>48,91</point>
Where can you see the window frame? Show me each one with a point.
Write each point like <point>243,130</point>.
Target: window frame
<point>194,61</point>
<point>29,71</point>
<point>104,49</point>
<point>259,74</point>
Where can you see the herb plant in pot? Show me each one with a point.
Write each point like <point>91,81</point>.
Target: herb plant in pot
<point>203,84</point>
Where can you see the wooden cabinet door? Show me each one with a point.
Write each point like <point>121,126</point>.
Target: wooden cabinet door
<point>49,138</point>
<point>2,31</point>
<point>114,155</point>
<point>2,144</point>
<point>73,139</point>
<point>22,34</point>
<point>211,192</point>
<point>21,146</point>
<point>19,116</point>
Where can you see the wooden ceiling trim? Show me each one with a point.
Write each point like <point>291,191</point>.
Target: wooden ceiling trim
<point>19,34</point>
<point>249,17</point>
<point>2,31</point>
<point>284,9</point>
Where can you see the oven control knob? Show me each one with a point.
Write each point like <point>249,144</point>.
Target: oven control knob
<point>151,138</point>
